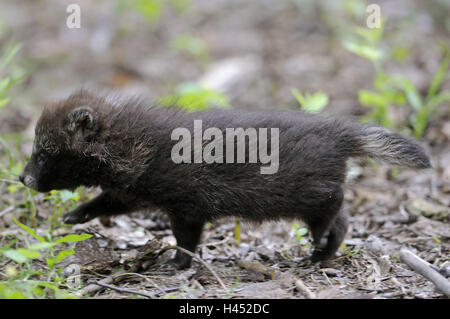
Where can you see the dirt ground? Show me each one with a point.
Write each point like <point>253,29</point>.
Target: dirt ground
<point>278,46</point>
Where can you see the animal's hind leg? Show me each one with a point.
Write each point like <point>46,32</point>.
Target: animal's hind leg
<point>327,219</point>
<point>334,239</point>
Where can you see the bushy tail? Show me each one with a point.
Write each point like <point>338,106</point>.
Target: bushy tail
<point>380,143</point>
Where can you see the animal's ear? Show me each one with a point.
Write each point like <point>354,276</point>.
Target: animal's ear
<point>81,121</point>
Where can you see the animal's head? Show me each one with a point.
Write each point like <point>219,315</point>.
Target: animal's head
<point>64,136</point>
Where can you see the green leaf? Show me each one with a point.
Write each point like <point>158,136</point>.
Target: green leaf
<point>300,99</point>
<point>14,294</point>
<point>15,255</point>
<point>370,35</point>
<point>4,101</point>
<point>17,169</point>
<point>13,188</point>
<point>41,245</point>
<point>400,53</point>
<point>411,93</point>
<point>439,76</point>
<point>395,97</point>
<point>237,231</point>
<point>149,9</point>
<point>191,45</point>
<point>8,151</point>
<point>8,245</point>
<point>311,103</point>
<point>419,120</point>
<point>193,97</point>
<point>437,100</point>
<point>364,50</point>
<point>382,82</point>
<point>51,262</point>
<point>73,238</point>
<point>368,98</point>
<point>4,84</point>
<point>316,102</point>
<point>9,84</point>
<point>29,230</point>
<point>63,254</point>
<point>9,55</point>
<point>67,195</point>
<point>30,254</point>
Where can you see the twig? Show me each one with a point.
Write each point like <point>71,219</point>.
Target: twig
<point>92,288</point>
<point>425,269</point>
<point>201,261</point>
<point>216,243</point>
<point>303,289</point>
<point>141,276</point>
<point>124,290</point>
<point>6,210</point>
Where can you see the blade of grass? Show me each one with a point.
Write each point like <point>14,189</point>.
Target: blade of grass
<point>439,76</point>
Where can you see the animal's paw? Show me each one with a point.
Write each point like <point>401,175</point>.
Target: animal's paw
<point>76,217</point>
<point>318,255</point>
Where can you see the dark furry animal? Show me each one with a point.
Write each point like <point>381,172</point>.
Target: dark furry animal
<point>125,148</point>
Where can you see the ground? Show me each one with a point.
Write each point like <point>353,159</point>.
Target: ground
<point>274,46</point>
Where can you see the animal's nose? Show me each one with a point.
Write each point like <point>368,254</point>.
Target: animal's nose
<point>28,180</point>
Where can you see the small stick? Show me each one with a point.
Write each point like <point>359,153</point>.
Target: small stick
<point>124,290</point>
<point>201,261</point>
<point>92,288</point>
<point>303,289</point>
<point>425,269</point>
<point>140,276</point>
<point>6,210</point>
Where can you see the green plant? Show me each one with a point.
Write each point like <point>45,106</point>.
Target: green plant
<point>311,103</point>
<point>193,46</point>
<point>152,10</point>
<point>393,90</point>
<point>237,231</point>
<point>193,97</point>
<point>31,269</point>
<point>61,201</point>
<point>10,75</point>
<point>9,176</point>
<point>300,235</point>
<point>22,280</point>
<point>350,252</point>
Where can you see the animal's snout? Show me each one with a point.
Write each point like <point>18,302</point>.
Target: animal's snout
<point>28,181</point>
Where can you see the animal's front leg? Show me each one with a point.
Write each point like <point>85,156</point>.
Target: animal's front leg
<point>187,233</point>
<point>104,204</point>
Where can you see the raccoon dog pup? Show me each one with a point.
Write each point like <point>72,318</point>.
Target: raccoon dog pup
<point>125,148</point>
